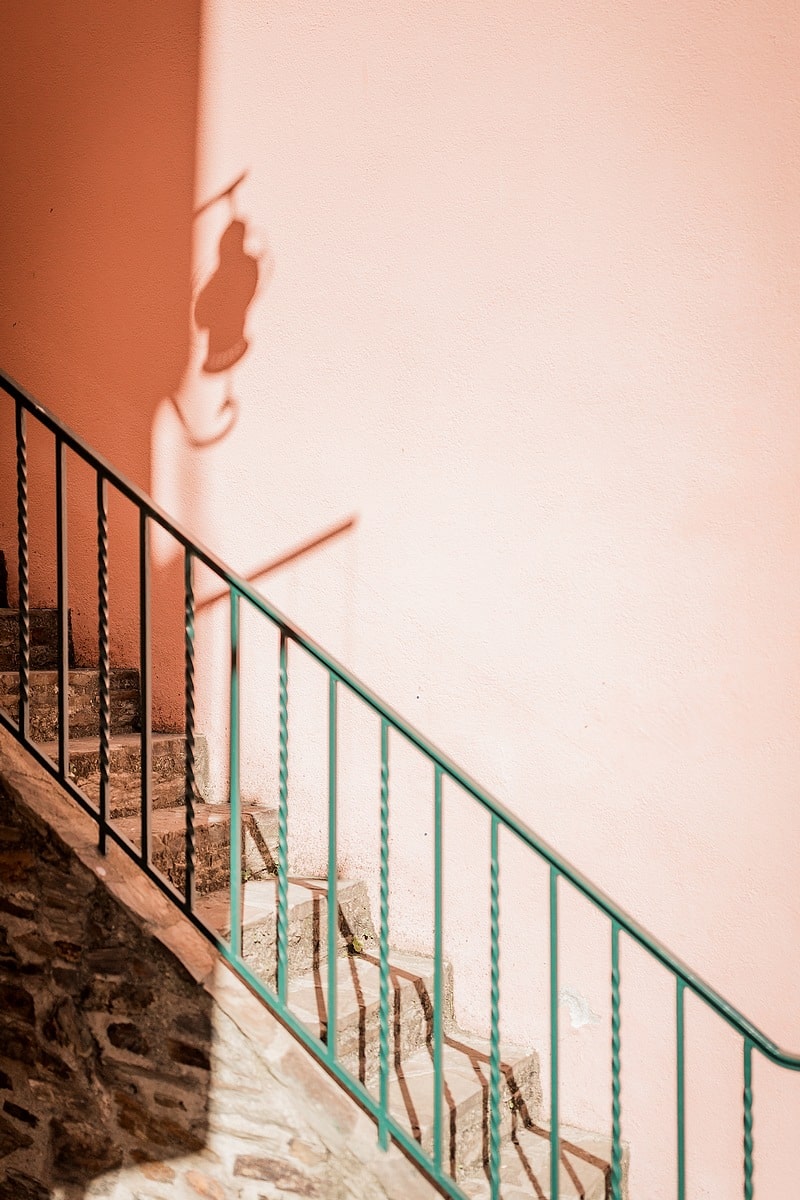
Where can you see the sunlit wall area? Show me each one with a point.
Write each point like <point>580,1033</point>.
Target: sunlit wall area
<point>527,288</point>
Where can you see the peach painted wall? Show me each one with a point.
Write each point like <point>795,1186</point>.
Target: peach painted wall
<point>532,319</point>
<point>529,279</point>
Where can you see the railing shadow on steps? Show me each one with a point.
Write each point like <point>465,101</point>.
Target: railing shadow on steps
<point>443,768</point>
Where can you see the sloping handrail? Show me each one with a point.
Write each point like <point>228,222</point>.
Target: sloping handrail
<point>621,921</point>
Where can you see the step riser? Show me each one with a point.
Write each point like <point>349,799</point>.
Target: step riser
<point>168,774</point>
<point>213,851</point>
<point>83,702</point>
<point>43,642</point>
<point>307,937</point>
<point>465,1133</point>
<point>410,1028</point>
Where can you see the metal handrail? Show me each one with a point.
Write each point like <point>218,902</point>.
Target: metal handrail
<point>621,921</point>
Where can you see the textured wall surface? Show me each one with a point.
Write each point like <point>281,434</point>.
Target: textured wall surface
<point>132,1064</point>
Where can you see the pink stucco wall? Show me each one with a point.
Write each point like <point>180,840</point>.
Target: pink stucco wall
<point>529,281</point>
<point>532,320</point>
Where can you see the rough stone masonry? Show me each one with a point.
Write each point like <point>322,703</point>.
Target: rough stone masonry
<point>133,1064</point>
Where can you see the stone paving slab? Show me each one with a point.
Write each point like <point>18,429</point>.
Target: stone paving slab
<point>584,1172</point>
<point>465,1130</point>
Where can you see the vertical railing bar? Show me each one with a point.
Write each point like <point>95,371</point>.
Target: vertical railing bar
<point>748,1119</point>
<point>189,881</point>
<point>283,819</point>
<point>103,656</point>
<point>383,1129</point>
<point>24,663</point>
<point>438,947</point>
<point>616,1108</point>
<point>494,1037</point>
<point>681,1084</point>
<point>555,1140</point>
<point>235,799</point>
<point>62,610</point>
<point>333,896</point>
<point>145,704</point>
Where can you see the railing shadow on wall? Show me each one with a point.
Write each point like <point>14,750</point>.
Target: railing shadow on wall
<point>620,926</point>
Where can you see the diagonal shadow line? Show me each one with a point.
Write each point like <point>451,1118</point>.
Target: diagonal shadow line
<point>284,559</point>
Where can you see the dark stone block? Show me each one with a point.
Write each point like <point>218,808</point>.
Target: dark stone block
<point>16,909</point>
<point>125,1036</point>
<point>68,951</point>
<point>12,1138</point>
<point>19,1045</point>
<point>196,1024</point>
<point>188,1056</point>
<point>18,1186</point>
<point>17,1003</point>
<point>5,1082</point>
<point>81,1150</point>
<point>20,1114</point>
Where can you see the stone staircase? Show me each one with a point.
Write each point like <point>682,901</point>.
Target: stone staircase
<point>584,1171</point>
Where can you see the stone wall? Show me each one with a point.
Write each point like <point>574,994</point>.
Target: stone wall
<point>132,1062</point>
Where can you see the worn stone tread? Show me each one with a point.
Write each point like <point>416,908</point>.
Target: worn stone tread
<point>308,918</point>
<point>584,1174</point>
<point>357,1007</point>
<point>168,761</point>
<point>212,842</point>
<point>465,1125</point>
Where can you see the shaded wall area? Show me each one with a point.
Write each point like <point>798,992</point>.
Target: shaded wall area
<point>97,137</point>
<point>104,1037</point>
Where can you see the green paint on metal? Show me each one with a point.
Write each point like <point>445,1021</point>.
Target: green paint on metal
<point>438,955</point>
<point>681,1083</point>
<point>616,1104</point>
<point>555,1140</point>
<point>383,1048</point>
<point>494,1033</point>
<point>333,868</point>
<point>236,812</point>
<point>283,819</point>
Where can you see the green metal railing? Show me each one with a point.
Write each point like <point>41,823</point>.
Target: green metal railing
<point>442,768</point>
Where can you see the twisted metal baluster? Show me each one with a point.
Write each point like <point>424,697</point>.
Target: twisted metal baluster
<point>235,797</point>
<point>333,902</point>
<point>103,659</point>
<point>748,1120</point>
<point>189,881</point>
<point>438,983</point>
<point>555,1140</point>
<point>23,566</point>
<point>680,987</point>
<point>383,1129</point>
<point>494,1041</point>
<point>283,821</point>
<point>616,1143</point>
<point>62,609</point>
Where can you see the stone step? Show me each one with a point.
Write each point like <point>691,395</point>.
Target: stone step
<point>358,1007</point>
<point>308,922</point>
<point>83,701</point>
<point>168,758</point>
<point>465,1119</point>
<point>212,843</point>
<point>584,1172</point>
<point>44,639</point>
